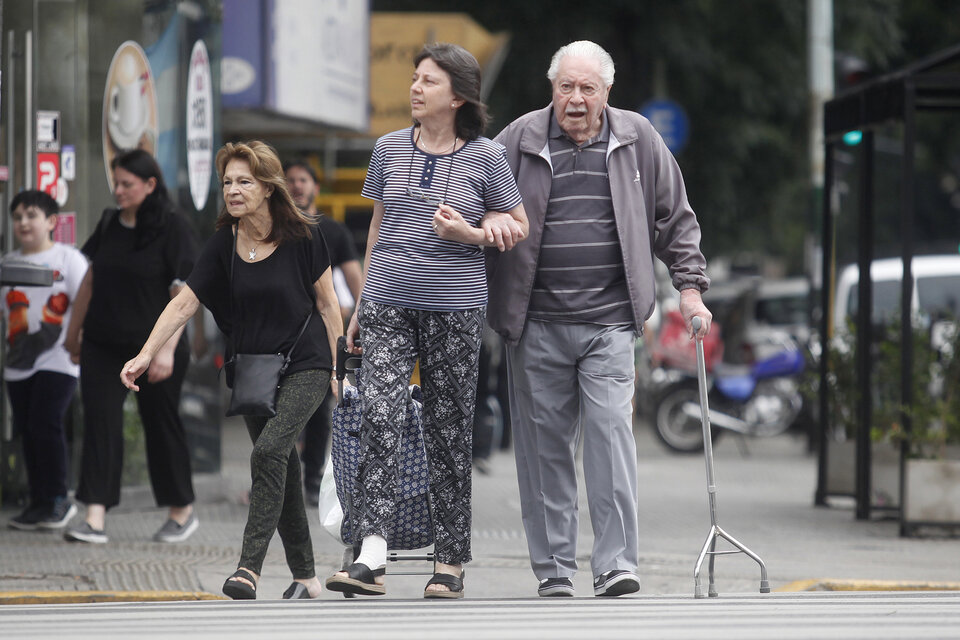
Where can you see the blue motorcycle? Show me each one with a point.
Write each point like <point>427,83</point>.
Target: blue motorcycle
<point>762,399</point>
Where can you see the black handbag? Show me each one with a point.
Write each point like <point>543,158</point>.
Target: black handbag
<point>254,378</point>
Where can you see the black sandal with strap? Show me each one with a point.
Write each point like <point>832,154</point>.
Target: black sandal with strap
<point>360,580</point>
<point>454,583</point>
<point>240,590</point>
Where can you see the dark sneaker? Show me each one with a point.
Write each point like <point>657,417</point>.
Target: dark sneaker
<point>555,587</point>
<point>85,533</point>
<point>173,532</point>
<point>57,516</point>
<point>616,583</point>
<point>28,519</point>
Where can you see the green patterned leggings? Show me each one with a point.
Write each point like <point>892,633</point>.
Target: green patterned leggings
<point>276,499</point>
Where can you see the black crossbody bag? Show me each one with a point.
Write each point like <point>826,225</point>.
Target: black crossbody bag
<point>254,378</point>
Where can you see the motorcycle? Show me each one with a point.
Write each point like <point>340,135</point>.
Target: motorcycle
<point>760,399</point>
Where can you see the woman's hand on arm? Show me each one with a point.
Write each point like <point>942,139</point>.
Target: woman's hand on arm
<point>504,229</point>
<point>329,308</point>
<point>171,322</point>
<point>81,303</point>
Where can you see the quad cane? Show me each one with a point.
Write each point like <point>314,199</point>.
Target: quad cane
<point>710,545</point>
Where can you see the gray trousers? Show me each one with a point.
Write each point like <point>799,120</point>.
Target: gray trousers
<point>567,382</point>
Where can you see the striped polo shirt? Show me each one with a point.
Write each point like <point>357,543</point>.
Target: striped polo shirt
<point>580,275</point>
<point>410,266</point>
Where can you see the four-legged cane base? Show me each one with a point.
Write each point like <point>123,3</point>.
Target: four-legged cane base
<point>710,549</point>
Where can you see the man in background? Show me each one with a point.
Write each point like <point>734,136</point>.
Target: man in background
<point>348,280</point>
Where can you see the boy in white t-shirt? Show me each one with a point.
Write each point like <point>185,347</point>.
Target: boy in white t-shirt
<point>40,376</point>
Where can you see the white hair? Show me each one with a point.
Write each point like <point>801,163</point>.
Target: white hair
<point>583,49</point>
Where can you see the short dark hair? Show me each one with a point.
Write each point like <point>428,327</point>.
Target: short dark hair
<point>464,72</point>
<point>301,164</point>
<point>33,198</point>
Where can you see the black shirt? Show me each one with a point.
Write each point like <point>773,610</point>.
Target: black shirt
<point>271,297</point>
<point>132,274</point>
<point>337,236</point>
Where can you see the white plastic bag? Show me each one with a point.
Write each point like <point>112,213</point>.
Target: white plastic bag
<point>331,514</point>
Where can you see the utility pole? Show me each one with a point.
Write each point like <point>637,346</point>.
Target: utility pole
<point>820,78</point>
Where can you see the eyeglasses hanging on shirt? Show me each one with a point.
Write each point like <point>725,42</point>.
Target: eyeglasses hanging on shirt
<point>417,192</point>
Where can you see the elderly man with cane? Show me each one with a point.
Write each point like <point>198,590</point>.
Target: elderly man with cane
<point>603,196</point>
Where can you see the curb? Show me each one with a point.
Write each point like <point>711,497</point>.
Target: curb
<point>83,597</point>
<point>830,584</point>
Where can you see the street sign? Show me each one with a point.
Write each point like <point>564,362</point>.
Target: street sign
<point>670,121</point>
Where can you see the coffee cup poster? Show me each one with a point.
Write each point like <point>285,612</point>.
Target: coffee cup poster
<point>129,105</point>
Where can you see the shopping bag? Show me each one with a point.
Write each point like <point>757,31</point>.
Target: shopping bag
<point>413,528</point>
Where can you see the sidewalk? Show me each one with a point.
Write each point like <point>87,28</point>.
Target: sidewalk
<point>765,500</point>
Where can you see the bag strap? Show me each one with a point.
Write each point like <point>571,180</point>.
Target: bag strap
<point>289,354</point>
<point>108,215</point>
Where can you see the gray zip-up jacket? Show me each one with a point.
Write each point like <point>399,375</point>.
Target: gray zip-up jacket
<point>649,203</point>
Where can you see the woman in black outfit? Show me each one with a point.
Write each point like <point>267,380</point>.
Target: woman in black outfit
<point>280,275</point>
<point>140,253</point>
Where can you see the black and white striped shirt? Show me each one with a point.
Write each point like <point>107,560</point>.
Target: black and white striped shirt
<point>410,266</point>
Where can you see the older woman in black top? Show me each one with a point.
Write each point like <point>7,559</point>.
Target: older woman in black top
<point>280,274</point>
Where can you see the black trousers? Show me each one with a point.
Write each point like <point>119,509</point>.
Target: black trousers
<point>168,458</point>
<point>38,404</point>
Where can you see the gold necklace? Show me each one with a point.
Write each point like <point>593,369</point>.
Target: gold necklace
<point>423,144</point>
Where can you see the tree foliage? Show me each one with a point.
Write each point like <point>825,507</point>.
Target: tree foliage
<point>738,67</point>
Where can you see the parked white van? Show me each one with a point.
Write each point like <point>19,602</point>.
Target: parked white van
<point>936,290</point>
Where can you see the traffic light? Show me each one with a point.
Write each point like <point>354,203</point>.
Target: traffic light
<point>852,138</point>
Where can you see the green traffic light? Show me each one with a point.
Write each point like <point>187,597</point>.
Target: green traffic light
<point>853,138</point>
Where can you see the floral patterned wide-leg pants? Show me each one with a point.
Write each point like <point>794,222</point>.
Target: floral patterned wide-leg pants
<point>447,344</point>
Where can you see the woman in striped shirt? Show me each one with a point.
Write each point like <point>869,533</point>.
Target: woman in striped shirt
<point>424,297</point>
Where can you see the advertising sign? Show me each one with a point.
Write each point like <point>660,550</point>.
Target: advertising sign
<point>48,172</point>
<point>129,105</point>
<point>66,229</point>
<point>68,162</point>
<point>306,59</point>
<point>48,131</point>
<point>199,125</point>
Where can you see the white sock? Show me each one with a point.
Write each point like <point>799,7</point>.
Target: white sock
<point>373,552</point>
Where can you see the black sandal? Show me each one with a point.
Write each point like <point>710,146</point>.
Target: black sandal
<point>239,590</point>
<point>454,583</point>
<point>360,580</point>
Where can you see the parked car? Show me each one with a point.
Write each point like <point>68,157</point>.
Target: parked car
<point>936,290</point>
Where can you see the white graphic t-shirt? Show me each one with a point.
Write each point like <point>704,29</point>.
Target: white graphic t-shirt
<point>38,317</point>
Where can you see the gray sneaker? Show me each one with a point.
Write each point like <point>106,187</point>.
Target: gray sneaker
<point>86,533</point>
<point>173,532</point>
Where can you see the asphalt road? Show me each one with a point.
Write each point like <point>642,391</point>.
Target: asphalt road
<point>783,616</point>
